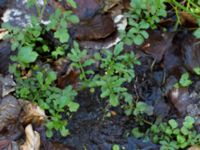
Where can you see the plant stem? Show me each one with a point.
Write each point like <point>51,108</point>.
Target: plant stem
<point>42,10</point>
<point>195,5</point>
<point>82,71</point>
<point>37,8</point>
<point>188,4</point>
<point>147,122</point>
<point>178,18</point>
<point>182,7</point>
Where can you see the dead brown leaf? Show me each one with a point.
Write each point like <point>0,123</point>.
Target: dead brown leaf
<point>186,17</point>
<point>32,139</point>
<point>32,114</point>
<point>157,44</point>
<point>3,32</point>
<point>194,148</point>
<point>99,27</point>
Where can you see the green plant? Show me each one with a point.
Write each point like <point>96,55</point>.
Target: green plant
<point>188,6</point>
<point>116,147</point>
<point>137,34</point>
<point>30,42</point>
<point>40,10</point>
<point>197,33</point>
<point>173,137</point>
<point>40,89</point>
<point>31,39</point>
<point>140,109</point>
<point>59,22</point>
<point>35,82</point>
<point>184,81</point>
<point>118,69</point>
<point>197,70</point>
<point>142,15</point>
<point>72,3</point>
<point>137,133</point>
<point>80,62</point>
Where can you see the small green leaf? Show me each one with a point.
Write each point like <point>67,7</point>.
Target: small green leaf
<point>197,33</point>
<point>27,55</point>
<point>72,3</point>
<point>143,25</point>
<point>73,19</point>
<point>88,62</point>
<point>181,139</point>
<point>31,3</point>
<point>64,132</point>
<point>143,108</point>
<point>105,93</point>
<point>184,131</point>
<point>49,133</point>
<point>136,133</point>
<point>115,147</point>
<point>58,52</point>
<point>118,48</point>
<point>89,72</point>
<point>168,131</point>
<point>73,107</point>
<point>184,80</point>
<point>176,131</point>
<point>197,70</point>
<point>144,34</point>
<point>45,48</point>
<point>52,76</point>
<point>39,77</point>
<point>62,34</point>
<point>114,100</point>
<point>138,39</point>
<point>188,122</point>
<point>173,123</point>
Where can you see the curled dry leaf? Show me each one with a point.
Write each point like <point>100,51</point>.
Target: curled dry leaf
<point>3,32</point>
<point>31,114</point>
<point>32,139</point>
<point>194,148</point>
